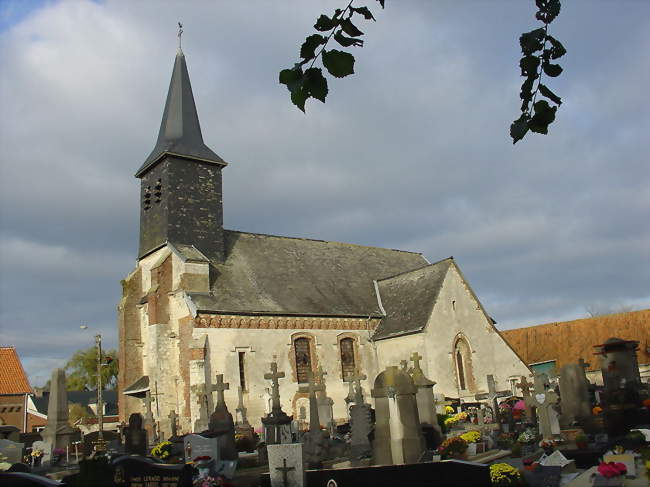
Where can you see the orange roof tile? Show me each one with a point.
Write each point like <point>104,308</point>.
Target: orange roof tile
<point>569,341</point>
<point>13,379</point>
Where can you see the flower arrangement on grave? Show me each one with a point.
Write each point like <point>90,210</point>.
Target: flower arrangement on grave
<point>449,410</point>
<point>596,410</point>
<point>36,453</point>
<point>471,436</point>
<point>611,469</point>
<point>452,447</point>
<point>646,403</point>
<point>208,482</point>
<point>581,440</point>
<point>456,418</point>
<point>526,437</point>
<point>548,446</point>
<point>162,450</point>
<point>502,474</point>
<point>505,440</point>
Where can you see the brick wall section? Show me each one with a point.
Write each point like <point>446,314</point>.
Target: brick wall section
<point>568,341</point>
<point>12,410</point>
<point>130,354</point>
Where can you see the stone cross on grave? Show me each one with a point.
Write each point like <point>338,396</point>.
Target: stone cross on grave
<point>319,376</point>
<point>492,396</point>
<point>524,386</point>
<point>241,409</point>
<point>172,421</point>
<point>358,392</point>
<point>415,358</point>
<point>220,387</point>
<point>404,365</point>
<point>311,389</point>
<point>275,386</point>
<point>543,400</point>
<point>285,470</point>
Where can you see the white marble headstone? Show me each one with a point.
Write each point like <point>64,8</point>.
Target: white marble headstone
<point>291,454</point>
<point>45,447</point>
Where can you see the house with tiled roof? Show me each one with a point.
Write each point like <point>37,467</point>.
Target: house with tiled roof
<point>550,346</point>
<point>14,390</point>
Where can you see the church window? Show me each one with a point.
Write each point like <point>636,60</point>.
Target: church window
<point>158,191</point>
<point>303,359</point>
<point>347,358</point>
<point>146,203</point>
<point>461,371</point>
<point>242,373</point>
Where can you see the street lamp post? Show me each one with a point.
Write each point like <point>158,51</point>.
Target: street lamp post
<point>100,408</point>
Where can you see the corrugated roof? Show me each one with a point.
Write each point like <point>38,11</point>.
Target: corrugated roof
<point>408,299</point>
<point>568,341</point>
<point>273,274</point>
<point>13,379</point>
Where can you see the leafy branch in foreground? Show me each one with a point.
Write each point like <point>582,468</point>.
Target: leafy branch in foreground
<point>311,83</point>
<point>538,48</point>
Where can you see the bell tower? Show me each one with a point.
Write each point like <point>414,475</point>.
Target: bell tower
<point>180,181</point>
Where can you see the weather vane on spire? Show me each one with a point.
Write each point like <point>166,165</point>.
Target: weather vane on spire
<point>180,33</point>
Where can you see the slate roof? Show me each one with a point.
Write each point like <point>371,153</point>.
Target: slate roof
<point>13,379</point>
<point>283,275</point>
<point>109,397</point>
<point>568,341</point>
<point>180,131</point>
<point>408,299</point>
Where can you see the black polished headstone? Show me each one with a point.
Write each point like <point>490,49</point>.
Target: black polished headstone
<point>448,473</point>
<point>543,476</point>
<point>133,471</point>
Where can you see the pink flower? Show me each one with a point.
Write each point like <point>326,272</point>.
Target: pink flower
<point>612,469</point>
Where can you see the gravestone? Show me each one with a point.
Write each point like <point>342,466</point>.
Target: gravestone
<point>286,465</point>
<point>88,442</point>
<point>12,450</point>
<point>58,432</point>
<point>621,378</point>
<point>349,399</point>
<point>8,432</point>
<point>315,440</point>
<point>574,393</point>
<point>525,387</point>
<point>131,471</point>
<point>325,404</point>
<point>173,424</point>
<point>543,400</point>
<point>360,422</point>
<point>221,424</point>
<point>492,397</point>
<point>398,437</point>
<point>242,426</point>
<point>195,446</point>
<point>201,423</point>
<point>277,425</point>
<point>46,448</point>
<point>149,422</point>
<point>135,436</point>
<point>426,404</point>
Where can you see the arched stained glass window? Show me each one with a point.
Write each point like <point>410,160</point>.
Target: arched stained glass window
<point>303,359</point>
<point>347,358</point>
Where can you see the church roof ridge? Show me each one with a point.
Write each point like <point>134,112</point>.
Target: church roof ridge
<point>323,241</point>
<point>451,259</point>
<point>180,131</point>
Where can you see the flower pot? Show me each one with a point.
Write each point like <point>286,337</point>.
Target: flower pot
<point>582,445</point>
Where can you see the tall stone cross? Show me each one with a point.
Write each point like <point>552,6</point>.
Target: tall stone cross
<point>319,375</point>
<point>415,358</point>
<point>275,386</point>
<point>312,388</point>
<point>417,373</point>
<point>285,470</point>
<point>524,386</point>
<point>492,396</point>
<point>358,392</point>
<point>543,400</point>
<point>220,387</point>
<point>241,409</point>
<point>172,421</point>
<point>201,422</point>
<point>148,412</point>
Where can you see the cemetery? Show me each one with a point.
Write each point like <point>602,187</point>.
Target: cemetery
<point>559,429</point>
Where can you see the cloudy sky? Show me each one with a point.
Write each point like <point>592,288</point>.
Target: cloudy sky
<point>411,152</point>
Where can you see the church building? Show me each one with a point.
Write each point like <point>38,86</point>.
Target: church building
<point>203,300</point>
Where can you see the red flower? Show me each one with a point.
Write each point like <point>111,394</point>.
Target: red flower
<point>612,469</point>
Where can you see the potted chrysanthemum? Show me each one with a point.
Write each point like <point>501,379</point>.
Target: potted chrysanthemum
<point>502,475</point>
<point>472,438</point>
<point>454,447</point>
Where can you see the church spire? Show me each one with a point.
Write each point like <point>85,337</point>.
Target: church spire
<point>180,131</point>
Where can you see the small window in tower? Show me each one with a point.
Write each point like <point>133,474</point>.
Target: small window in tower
<point>453,305</point>
<point>146,203</point>
<point>303,359</point>
<point>18,409</point>
<point>242,373</point>
<point>347,358</point>
<point>158,191</point>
